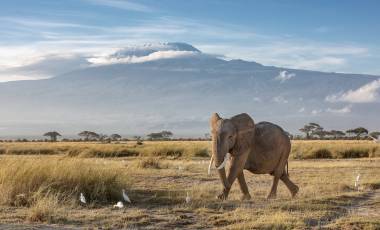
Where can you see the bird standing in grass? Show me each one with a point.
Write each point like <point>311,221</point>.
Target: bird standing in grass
<point>119,205</point>
<point>357,181</point>
<point>82,198</point>
<point>188,198</point>
<point>125,196</point>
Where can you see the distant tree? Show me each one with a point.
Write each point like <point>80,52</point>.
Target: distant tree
<point>163,135</point>
<point>166,134</point>
<point>89,135</point>
<point>358,132</point>
<point>207,136</point>
<point>375,134</point>
<point>312,129</point>
<point>53,135</point>
<point>138,139</point>
<point>337,134</point>
<point>115,137</point>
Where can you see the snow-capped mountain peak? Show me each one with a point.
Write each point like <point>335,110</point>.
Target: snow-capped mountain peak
<point>147,52</point>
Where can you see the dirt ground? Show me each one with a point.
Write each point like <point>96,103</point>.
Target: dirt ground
<point>327,200</point>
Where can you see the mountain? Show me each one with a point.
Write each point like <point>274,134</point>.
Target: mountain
<point>175,86</point>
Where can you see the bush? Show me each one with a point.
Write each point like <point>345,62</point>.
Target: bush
<point>201,152</point>
<point>353,153</point>
<point>319,154</point>
<point>149,162</point>
<point>166,151</point>
<point>108,153</point>
<point>44,210</point>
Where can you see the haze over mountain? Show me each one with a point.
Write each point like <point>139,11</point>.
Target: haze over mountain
<point>174,86</point>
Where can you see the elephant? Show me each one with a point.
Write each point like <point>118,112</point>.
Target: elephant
<point>261,148</point>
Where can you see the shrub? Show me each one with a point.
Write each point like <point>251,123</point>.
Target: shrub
<point>109,153</point>
<point>167,151</point>
<point>319,154</point>
<point>149,162</point>
<point>201,152</point>
<point>353,153</point>
<point>43,210</point>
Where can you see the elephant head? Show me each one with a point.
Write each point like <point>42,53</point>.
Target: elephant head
<point>234,136</point>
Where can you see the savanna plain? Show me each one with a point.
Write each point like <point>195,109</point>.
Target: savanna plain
<point>41,182</point>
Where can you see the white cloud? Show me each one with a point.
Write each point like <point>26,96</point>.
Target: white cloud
<point>257,99</point>
<point>134,59</point>
<point>280,100</point>
<point>301,110</point>
<point>346,109</point>
<point>316,111</point>
<point>365,94</point>
<point>284,76</point>
<point>124,5</point>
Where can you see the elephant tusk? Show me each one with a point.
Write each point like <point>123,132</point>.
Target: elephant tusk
<point>224,161</point>
<point>209,166</point>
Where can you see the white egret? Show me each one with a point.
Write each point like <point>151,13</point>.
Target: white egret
<point>188,198</point>
<point>125,196</point>
<point>357,181</point>
<point>82,198</point>
<point>119,205</point>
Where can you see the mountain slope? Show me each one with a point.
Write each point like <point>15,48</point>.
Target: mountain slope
<point>178,89</point>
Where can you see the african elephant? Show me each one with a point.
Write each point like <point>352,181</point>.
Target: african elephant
<point>261,148</point>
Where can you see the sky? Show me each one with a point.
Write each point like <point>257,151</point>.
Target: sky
<point>325,35</point>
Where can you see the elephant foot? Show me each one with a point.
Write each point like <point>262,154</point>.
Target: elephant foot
<point>271,196</point>
<point>223,195</point>
<point>245,197</point>
<point>295,191</point>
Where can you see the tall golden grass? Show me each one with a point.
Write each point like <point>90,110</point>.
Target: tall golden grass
<point>186,149</point>
<point>23,181</point>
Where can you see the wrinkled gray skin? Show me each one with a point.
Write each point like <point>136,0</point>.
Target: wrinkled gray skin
<point>261,149</point>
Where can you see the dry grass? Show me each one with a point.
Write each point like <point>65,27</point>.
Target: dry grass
<point>25,180</point>
<point>186,149</point>
<point>46,189</point>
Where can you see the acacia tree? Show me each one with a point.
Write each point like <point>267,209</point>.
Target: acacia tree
<point>115,137</point>
<point>89,135</point>
<point>53,135</point>
<point>375,134</point>
<point>312,129</point>
<point>337,134</point>
<point>360,131</point>
<point>163,135</point>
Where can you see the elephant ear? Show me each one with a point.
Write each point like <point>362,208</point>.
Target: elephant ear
<point>245,131</point>
<point>214,119</point>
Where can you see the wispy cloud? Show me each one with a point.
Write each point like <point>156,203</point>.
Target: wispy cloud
<point>284,76</point>
<point>134,59</point>
<point>122,4</point>
<point>344,110</point>
<point>365,94</point>
<point>280,100</point>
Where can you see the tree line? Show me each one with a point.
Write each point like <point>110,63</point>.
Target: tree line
<point>316,131</point>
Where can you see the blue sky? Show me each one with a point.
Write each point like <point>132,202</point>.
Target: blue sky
<point>341,36</point>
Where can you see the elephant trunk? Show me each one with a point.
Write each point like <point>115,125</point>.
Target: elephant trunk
<point>220,162</point>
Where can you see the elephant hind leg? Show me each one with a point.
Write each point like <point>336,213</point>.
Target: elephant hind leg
<point>289,184</point>
<point>273,191</point>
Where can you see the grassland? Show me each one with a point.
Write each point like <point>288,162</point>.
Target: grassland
<point>184,149</point>
<point>41,188</point>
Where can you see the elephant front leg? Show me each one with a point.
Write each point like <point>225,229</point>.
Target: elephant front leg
<point>243,187</point>
<point>236,168</point>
